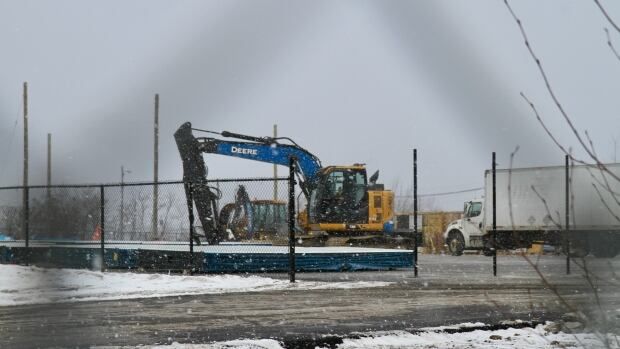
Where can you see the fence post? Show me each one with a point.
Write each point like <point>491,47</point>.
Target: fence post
<point>415,212</point>
<point>26,224</point>
<point>102,225</point>
<point>567,234</point>
<point>291,219</point>
<point>494,221</point>
<point>190,208</point>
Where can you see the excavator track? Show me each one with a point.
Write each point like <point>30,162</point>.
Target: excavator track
<point>377,240</point>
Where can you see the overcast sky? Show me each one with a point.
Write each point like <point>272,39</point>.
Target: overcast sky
<point>352,81</point>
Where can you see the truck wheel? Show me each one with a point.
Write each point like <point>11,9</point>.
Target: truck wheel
<point>456,243</point>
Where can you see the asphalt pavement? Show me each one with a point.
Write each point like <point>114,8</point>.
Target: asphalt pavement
<point>449,290</point>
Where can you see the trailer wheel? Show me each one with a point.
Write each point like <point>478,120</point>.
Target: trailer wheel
<point>456,243</point>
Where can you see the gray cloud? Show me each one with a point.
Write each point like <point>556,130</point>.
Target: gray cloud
<point>351,81</point>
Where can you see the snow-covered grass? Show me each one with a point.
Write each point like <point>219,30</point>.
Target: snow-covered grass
<point>32,285</point>
<point>236,344</point>
<point>432,338</point>
<point>525,338</point>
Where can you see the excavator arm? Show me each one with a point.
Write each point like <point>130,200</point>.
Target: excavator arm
<point>196,185</point>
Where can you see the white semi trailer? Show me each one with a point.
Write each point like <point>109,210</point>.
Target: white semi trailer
<point>535,211</point>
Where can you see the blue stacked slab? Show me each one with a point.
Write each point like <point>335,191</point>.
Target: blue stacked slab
<point>308,262</point>
<point>229,258</point>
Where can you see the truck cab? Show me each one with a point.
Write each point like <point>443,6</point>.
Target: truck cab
<point>466,233</point>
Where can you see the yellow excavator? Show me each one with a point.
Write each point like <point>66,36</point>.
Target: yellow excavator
<point>344,207</point>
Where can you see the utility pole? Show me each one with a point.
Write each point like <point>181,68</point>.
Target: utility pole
<point>155,168</point>
<point>415,212</point>
<point>25,179</point>
<point>275,168</point>
<point>25,135</point>
<point>122,223</point>
<point>49,165</point>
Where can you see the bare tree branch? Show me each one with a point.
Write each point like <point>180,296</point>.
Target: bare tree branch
<point>556,101</point>
<point>544,126</point>
<point>606,280</point>
<point>603,338</point>
<point>611,46</point>
<point>605,202</point>
<point>591,143</point>
<point>544,201</point>
<point>609,19</point>
<point>587,275</point>
<point>512,157</point>
<point>605,185</point>
<point>548,285</point>
<point>588,147</point>
<point>548,83</point>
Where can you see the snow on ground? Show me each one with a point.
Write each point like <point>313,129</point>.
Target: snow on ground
<point>523,338</point>
<point>236,344</point>
<point>32,285</point>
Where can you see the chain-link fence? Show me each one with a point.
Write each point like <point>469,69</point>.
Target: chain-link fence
<point>146,213</point>
<point>219,226</point>
<point>148,226</point>
<point>11,214</point>
<point>253,211</point>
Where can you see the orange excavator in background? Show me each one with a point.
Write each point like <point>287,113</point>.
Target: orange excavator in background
<point>247,219</point>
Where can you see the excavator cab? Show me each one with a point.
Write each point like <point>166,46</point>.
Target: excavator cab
<point>270,217</point>
<point>340,196</point>
<point>342,200</point>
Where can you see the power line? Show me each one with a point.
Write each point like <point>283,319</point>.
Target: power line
<point>443,193</point>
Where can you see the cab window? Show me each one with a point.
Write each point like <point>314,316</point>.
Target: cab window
<point>348,183</point>
<point>474,209</point>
